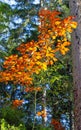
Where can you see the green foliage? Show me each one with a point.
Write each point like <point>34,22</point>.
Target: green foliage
<point>59,93</point>
<point>5,126</point>
<point>12,116</point>
<point>44,128</point>
<point>4,17</point>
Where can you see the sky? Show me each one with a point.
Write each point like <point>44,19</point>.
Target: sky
<point>12,2</point>
<point>9,1</point>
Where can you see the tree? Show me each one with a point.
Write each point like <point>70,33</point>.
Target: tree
<point>75,6</point>
<point>16,27</point>
<point>20,22</point>
<point>36,56</point>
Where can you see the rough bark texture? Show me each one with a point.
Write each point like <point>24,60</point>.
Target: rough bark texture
<point>75,6</point>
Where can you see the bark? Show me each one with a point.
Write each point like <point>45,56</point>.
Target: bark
<point>44,107</point>
<point>75,6</point>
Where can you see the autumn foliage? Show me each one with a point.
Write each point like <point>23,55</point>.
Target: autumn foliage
<point>42,113</point>
<point>57,125</point>
<point>38,55</point>
<point>17,103</point>
<point>35,56</point>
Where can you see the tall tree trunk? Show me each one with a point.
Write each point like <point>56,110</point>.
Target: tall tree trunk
<point>75,6</point>
<point>44,107</point>
<point>44,121</point>
<point>42,3</point>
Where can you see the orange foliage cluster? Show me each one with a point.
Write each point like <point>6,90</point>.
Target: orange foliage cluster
<point>53,29</point>
<point>30,89</point>
<point>57,125</point>
<point>42,113</point>
<point>38,55</point>
<point>17,103</point>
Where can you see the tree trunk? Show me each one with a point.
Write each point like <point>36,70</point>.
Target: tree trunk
<point>42,3</point>
<point>44,107</point>
<point>75,6</point>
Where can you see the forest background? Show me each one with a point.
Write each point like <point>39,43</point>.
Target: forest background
<point>51,104</point>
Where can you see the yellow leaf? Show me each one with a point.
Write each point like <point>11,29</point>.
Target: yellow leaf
<point>53,37</point>
<point>66,43</point>
<point>54,59</point>
<point>44,66</point>
<point>73,24</point>
<point>62,52</point>
<point>19,72</point>
<point>57,22</point>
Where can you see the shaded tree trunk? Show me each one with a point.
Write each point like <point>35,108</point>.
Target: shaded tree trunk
<point>42,3</point>
<point>44,107</point>
<point>75,6</point>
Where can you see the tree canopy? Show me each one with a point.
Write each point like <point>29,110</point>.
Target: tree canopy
<point>37,64</point>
